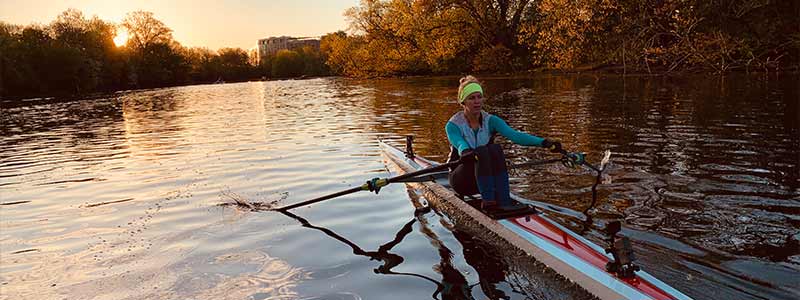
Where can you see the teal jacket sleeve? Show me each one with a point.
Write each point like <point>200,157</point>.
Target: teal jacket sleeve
<point>498,125</point>
<point>455,137</point>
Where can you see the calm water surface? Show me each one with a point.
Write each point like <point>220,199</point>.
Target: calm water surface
<point>127,196</point>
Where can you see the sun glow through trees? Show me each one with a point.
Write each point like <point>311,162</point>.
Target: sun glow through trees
<point>121,38</point>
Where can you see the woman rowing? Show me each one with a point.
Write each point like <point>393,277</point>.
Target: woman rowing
<point>471,134</point>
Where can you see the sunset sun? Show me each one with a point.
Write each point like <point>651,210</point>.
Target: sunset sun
<point>121,38</point>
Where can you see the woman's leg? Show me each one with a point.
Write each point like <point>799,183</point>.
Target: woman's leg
<point>462,179</point>
<point>487,175</point>
<point>484,174</point>
<point>499,174</point>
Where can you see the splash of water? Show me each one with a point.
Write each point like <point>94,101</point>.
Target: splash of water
<point>239,201</point>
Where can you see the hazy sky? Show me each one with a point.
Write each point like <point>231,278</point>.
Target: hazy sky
<point>201,23</point>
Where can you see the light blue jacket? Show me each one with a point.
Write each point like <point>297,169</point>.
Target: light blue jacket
<point>462,137</point>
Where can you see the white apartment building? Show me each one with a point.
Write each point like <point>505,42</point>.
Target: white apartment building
<point>272,45</point>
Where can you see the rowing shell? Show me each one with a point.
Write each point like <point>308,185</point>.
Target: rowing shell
<point>560,249</point>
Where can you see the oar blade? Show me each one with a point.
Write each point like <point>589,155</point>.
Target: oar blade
<point>606,159</point>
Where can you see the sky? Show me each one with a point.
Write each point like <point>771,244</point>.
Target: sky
<point>201,23</point>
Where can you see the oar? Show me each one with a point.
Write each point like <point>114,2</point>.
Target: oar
<point>535,163</point>
<point>598,179</point>
<point>566,158</point>
<point>373,185</point>
<point>583,161</point>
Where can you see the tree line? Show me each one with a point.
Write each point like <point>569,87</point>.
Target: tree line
<point>75,55</point>
<point>401,37</point>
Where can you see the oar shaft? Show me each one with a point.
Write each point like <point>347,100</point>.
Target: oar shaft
<point>364,187</point>
<point>423,171</point>
<point>536,163</point>
<point>592,167</point>
<point>323,198</point>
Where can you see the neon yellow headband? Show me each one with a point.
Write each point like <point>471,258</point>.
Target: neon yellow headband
<point>468,90</point>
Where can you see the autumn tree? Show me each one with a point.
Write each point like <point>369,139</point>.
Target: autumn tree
<point>397,37</point>
<point>155,57</point>
<point>200,64</point>
<point>498,22</point>
<point>287,63</point>
<point>568,33</point>
<point>390,47</point>
<point>72,55</point>
<point>337,49</point>
<point>313,61</point>
<point>91,41</point>
<point>22,63</point>
<point>144,30</point>
<point>233,63</point>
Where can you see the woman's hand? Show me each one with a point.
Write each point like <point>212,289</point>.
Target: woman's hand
<point>467,155</point>
<point>554,146</point>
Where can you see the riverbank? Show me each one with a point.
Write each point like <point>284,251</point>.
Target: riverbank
<point>588,69</point>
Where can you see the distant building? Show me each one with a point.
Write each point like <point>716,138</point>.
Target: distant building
<point>272,45</point>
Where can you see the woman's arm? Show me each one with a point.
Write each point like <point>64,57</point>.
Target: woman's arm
<point>455,137</point>
<point>521,138</point>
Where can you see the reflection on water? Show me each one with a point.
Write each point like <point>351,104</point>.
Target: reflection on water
<point>117,197</point>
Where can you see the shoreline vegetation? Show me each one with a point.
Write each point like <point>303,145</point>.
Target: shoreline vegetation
<point>75,55</point>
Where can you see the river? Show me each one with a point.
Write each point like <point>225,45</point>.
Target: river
<point>130,195</point>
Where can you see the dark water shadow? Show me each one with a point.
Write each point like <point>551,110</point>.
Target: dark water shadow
<point>453,284</point>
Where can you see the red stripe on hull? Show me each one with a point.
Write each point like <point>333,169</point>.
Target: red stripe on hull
<point>546,230</point>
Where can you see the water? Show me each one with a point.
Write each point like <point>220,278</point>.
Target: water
<point>128,196</point>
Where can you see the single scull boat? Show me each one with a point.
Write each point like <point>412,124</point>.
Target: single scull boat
<point>565,252</point>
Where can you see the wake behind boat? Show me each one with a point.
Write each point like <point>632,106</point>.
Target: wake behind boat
<point>565,252</point>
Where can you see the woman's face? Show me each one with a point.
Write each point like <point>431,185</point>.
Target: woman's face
<point>473,102</point>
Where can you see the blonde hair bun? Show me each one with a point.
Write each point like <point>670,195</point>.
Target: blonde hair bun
<point>464,81</point>
<point>468,79</point>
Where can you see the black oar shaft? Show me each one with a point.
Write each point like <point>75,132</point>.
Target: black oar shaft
<point>398,178</point>
<point>592,167</point>
<point>318,199</point>
<point>424,171</point>
<point>535,163</point>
